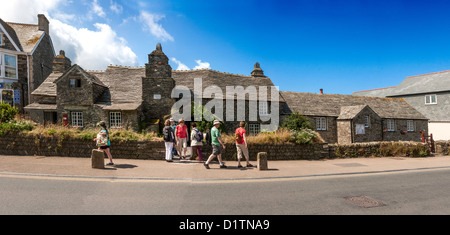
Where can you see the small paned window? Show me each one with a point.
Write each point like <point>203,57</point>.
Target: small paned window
<point>75,82</point>
<point>321,123</point>
<point>391,125</point>
<point>430,99</point>
<point>77,119</point>
<point>254,129</point>
<point>115,119</point>
<point>410,125</point>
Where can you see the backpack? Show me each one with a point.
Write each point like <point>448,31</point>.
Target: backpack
<point>168,134</point>
<point>198,136</point>
<point>238,138</point>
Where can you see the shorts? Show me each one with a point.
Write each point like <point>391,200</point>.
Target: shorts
<point>216,149</point>
<point>181,143</point>
<point>105,147</point>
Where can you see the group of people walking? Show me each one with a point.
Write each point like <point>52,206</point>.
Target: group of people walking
<point>176,136</point>
<point>176,139</point>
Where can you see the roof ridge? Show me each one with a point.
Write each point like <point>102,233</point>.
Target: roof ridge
<point>428,74</point>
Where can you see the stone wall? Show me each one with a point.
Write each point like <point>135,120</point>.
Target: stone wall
<point>60,146</point>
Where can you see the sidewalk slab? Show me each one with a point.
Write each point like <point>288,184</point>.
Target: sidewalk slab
<point>153,169</point>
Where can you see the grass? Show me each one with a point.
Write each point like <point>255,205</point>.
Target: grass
<point>27,127</point>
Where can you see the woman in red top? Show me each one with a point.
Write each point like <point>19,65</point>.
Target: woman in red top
<point>241,144</point>
<point>181,135</point>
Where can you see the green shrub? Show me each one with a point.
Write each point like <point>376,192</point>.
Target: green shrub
<point>7,112</point>
<point>14,127</point>
<point>296,122</point>
<point>304,136</point>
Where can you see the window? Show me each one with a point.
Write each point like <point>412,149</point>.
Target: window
<point>115,119</point>
<point>366,121</point>
<point>253,129</point>
<point>8,66</point>
<point>75,82</point>
<point>77,119</point>
<point>263,110</point>
<point>391,125</point>
<point>7,97</point>
<point>410,125</point>
<point>321,123</point>
<point>430,99</point>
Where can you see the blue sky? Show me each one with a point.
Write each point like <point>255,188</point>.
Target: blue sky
<point>304,45</point>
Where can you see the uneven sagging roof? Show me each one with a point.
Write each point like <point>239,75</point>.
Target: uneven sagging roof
<point>312,104</point>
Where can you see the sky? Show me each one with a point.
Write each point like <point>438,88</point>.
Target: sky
<point>340,46</point>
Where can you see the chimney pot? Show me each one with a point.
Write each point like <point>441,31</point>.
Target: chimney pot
<point>321,91</point>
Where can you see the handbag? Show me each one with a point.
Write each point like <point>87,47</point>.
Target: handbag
<point>101,140</point>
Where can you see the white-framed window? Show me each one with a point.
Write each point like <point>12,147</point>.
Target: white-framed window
<point>77,119</point>
<point>263,108</point>
<point>390,124</point>
<point>8,66</point>
<point>321,123</point>
<point>431,99</point>
<point>115,119</point>
<point>367,121</point>
<point>254,129</point>
<point>410,125</point>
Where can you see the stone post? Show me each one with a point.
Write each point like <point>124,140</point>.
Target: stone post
<point>262,161</point>
<point>98,159</point>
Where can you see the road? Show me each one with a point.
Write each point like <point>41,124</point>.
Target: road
<point>412,192</point>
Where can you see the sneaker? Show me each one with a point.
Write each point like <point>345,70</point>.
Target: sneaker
<point>206,165</point>
<point>250,165</point>
<point>110,164</point>
<point>239,166</point>
<point>223,166</point>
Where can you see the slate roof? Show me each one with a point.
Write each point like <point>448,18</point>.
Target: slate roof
<point>28,35</point>
<point>222,80</point>
<point>312,104</point>
<point>379,92</point>
<point>350,112</point>
<point>426,83</point>
<point>25,36</point>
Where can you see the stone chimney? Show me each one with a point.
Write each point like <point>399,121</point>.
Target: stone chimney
<point>43,23</point>
<point>61,63</point>
<point>257,71</point>
<point>158,64</point>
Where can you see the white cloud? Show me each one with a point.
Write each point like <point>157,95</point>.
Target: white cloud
<point>26,11</point>
<point>181,66</point>
<point>92,49</point>
<point>202,65</point>
<point>150,22</point>
<point>115,7</point>
<point>97,9</point>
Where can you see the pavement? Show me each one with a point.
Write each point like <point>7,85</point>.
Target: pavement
<point>186,170</point>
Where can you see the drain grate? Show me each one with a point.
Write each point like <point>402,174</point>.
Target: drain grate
<point>364,201</point>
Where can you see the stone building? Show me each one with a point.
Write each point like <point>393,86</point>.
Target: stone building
<point>26,55</point>
<point>353,119</point>
<point>139,97</point>
<point>136,97</point>
<point>429,94</point>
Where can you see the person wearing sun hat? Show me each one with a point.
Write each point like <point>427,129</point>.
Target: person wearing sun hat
<point>216,141</point>
<point>105,134</point>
